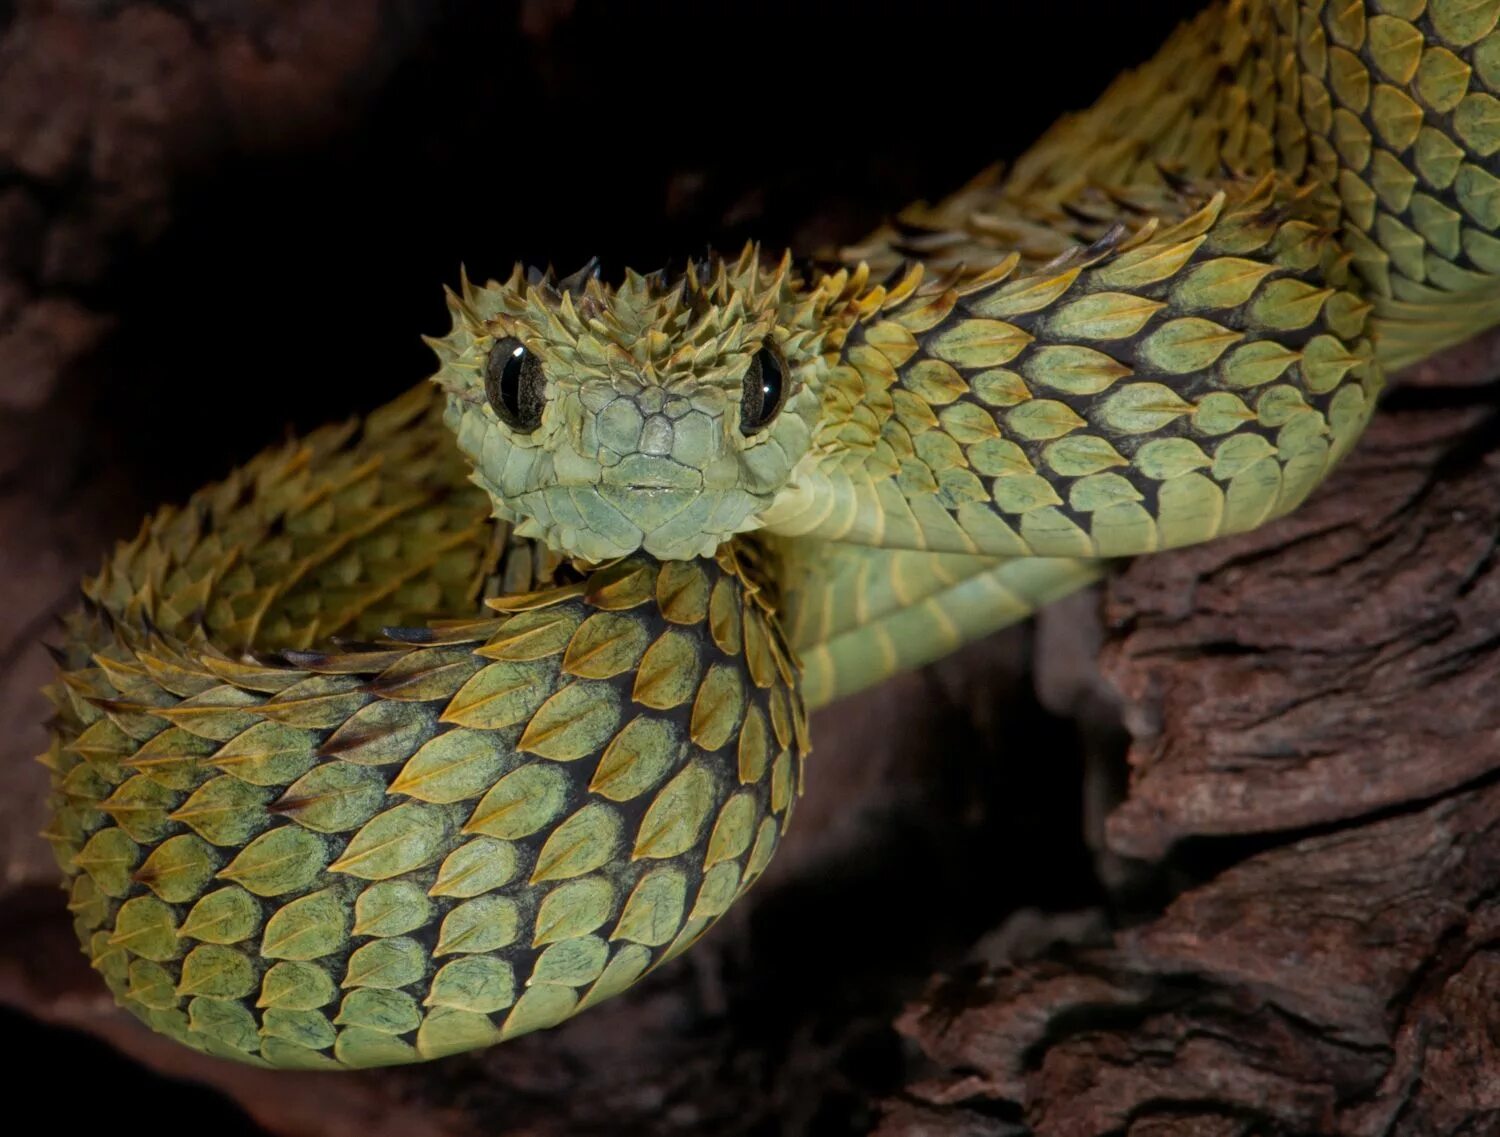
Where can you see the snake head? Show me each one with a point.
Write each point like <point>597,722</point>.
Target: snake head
<point>664,414</point>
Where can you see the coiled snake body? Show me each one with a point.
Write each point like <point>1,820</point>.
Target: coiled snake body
<point>383,749</point>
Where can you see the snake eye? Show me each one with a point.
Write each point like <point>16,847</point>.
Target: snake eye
<point>515,385</point>
<point>765,386</point>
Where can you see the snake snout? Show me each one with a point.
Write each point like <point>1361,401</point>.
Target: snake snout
<point>651,472</point>
<point>647,507</point>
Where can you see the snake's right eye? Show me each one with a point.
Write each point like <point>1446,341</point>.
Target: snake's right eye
<point>515,385</point>
<point>765,388</point>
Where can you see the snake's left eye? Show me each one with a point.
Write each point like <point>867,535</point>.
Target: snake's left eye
<point>515,385</point>
<point>765,389</point>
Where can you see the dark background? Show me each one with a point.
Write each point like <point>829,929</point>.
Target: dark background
<point>291,287</point>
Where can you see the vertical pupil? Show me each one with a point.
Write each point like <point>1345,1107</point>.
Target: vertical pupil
<point>762,391</point>
<point>513,384</point>
<point>770,378</point>
<point>510,381</point>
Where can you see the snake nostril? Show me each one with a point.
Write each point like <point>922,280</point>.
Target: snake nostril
<point>656,436</point>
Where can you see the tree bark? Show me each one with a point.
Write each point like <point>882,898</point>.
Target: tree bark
<point>1315,783</point>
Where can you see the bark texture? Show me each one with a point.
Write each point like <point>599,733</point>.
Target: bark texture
<point>1211,850</point>
<point>1315,786</point>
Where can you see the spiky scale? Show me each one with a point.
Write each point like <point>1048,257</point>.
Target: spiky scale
<point>347,836</point>
<point>480,823</point>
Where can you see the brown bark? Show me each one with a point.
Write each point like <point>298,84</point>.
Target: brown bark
<point>108,111</point>
<point>1315,775</point>
<point>1211,851</point>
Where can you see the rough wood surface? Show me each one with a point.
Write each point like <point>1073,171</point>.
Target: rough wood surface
<point>1315,777</point>
<point>1213,850</point>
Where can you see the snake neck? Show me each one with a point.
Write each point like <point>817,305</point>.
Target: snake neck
<point>1104,404</point>
<point>1120,329</point>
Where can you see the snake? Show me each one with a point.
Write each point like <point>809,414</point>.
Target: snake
<point>441,725</point>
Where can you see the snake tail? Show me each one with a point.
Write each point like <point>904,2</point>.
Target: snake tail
<point>384,852</point>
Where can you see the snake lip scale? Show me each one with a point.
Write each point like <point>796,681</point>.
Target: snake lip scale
<point>432,729</point>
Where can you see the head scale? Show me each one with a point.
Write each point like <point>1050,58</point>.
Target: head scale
<point>664,414</point>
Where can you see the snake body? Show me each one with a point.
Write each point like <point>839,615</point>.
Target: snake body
<point>385,748</point>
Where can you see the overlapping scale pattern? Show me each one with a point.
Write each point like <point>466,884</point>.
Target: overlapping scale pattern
<point>1402,103</point>
<point>1393,104</point>
<point>430,842</point>
<point>1194,385</point>
<point>1203,380</point>
<point>319,806</point>
<point>1153,390</point>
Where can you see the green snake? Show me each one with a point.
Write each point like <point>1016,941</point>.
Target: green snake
<point>386,748</point>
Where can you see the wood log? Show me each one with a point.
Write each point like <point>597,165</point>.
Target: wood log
<point>1315,784</point>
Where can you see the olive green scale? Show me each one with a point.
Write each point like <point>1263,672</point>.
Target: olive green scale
<point>456,833</point>
<point>347,772</point>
